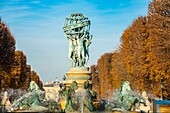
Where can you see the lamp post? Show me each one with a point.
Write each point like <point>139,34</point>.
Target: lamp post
<point>161,86</point>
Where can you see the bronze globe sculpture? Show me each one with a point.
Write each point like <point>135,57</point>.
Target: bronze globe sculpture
<point>76,30</point>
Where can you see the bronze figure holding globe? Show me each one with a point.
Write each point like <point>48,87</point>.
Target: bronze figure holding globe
<point>77,31</point>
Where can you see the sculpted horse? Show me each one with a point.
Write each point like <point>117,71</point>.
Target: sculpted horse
<point>87,98</point>
<point>124,88</point>
<point>31,100</point>
<point>124,99</point>
<point>71,100</point>
<point>128,101</point>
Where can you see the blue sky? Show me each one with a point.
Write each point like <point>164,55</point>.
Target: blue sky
<point>37,27</point>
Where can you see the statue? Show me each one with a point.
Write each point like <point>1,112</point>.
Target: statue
<point>31,100</point>
<point>71,99</point>
<point>124,99</point>
<point>87,98</point>
<point>77,101</point>
<point>87,44</point>
<point>130,100</point>
<point>71,49</point>
<point>76,30</point>
<point>52,106</point>
<point>122,90</point>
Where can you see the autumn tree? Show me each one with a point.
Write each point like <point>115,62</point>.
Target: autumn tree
<point>18,70</point>
<point>143,57</point>
<point>134,41</point>
<point>118,71</point>
<point>159,45</point>
<point>7,47</point>
<point>14,71</point>
<point>104,69</point>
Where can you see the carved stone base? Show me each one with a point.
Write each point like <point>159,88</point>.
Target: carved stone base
<point>78,74</point>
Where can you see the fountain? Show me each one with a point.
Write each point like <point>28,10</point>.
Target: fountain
<point>124,99</point>
<point>77,90</point>
<point>82,101</point>
<point>33,101</point>
<point>75,94</point>
<point>75,100</point>
<point>79,101</point>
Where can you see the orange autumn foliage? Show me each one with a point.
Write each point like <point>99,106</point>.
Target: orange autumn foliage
<point>14,71</point>
<point>143,57</point>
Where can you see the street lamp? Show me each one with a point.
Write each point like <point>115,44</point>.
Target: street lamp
<point>161,86</point>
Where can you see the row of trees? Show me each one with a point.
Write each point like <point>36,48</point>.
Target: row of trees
<point>143,58</point>
<point>14,71</point>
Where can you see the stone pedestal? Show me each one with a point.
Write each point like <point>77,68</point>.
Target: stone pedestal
<point>78,74</point>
